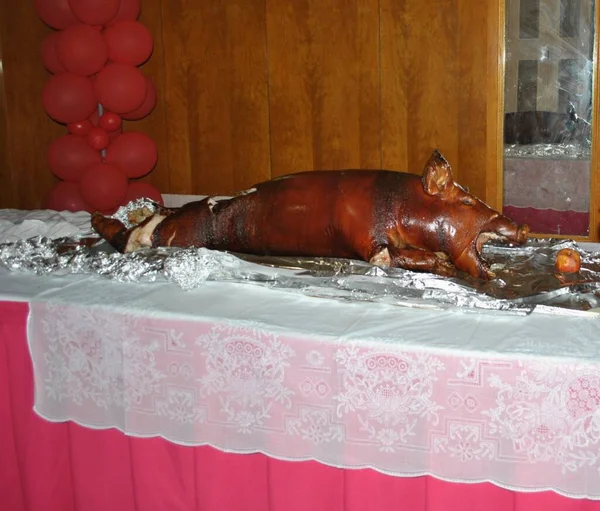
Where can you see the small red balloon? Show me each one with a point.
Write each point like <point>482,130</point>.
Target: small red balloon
<point>135,153</point>
<point>65,196</point>
<point>68,97</point>
<point>69,156</point>
<point>98,139</point>
<point>55,13</point>
<point>128,10</point>
<point>110,121</point>
<point>142,190</point>
<point>95,12</point>
<point>128,42</point>
<point>49,55</point>
<point>103,186</point>
<point>121,88</point>
<point>82,50</point>
<point>146,107</point>
<point>81,128</point>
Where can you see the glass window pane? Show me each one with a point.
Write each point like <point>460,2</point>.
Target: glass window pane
<point>529,19</point>
<point>547,114</point>
<point>527,92</point>
<point>569,18</point>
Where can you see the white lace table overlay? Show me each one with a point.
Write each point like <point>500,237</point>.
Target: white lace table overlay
<point>375,403</point>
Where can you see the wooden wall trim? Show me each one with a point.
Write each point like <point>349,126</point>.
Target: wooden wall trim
<point>5,174</point>
<point>594,234</point>
<point>495,105</point>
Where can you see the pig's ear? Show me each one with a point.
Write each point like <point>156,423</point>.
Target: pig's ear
<point>437,175</point>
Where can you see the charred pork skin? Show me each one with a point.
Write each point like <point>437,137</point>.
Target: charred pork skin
<point>388,218</point>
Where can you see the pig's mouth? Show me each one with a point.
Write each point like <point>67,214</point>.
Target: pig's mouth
<point>504,230</point>
<point>500,229</point>
<point>484,237</point>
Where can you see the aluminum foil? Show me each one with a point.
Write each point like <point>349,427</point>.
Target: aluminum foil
<point>570,150</point>
<point>525,276</point>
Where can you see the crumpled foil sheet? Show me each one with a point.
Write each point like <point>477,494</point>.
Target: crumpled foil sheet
<point>569,150</point>
<point>525,276</point>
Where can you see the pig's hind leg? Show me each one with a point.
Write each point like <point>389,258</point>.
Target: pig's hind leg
<point>415,260</point>
<point>124,239</point>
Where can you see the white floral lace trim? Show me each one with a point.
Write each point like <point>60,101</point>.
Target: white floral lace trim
<point>379,404</point>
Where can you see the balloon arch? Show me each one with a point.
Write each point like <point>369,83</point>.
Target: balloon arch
<point>94,54</point>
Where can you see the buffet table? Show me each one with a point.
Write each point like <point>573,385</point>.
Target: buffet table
<point>236,396</point>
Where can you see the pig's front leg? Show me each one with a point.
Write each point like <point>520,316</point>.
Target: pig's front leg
<point>421,260</point>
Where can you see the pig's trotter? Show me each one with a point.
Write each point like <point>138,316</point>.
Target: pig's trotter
<point>421,260</point>
<point>111,230</point>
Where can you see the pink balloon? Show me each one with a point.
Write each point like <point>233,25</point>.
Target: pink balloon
<point>142,190</point>
<point>103,186</point>
<point>82,50</point>
<point>110,121</point>
<point>81,128</point>
<point>55,13</point>
<point>49,54</point>
<point>135,153</point>
<point>146,107</point>
<point>95,12</point>
<point>98,139</point>
<point>65,196</point>
<point>70,155</point>
<point>128,42</point>
<point>129,10</point>
<point>68,97</point>
<point>121,88</point>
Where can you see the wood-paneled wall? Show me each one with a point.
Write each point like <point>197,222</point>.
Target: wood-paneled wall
<point>250,89</point>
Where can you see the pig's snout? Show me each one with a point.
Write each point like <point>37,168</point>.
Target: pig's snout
<point>500,228</point>
<point>508,229</point>
<point>522,234</point>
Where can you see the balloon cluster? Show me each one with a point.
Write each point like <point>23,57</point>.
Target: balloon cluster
<point>94,55</point>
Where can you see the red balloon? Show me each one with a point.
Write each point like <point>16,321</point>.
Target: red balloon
<point>49,55</point>
<point>110,121</point>
<point>129,42</point>
<point>146,107</point>
<point>142,190</point>
<point>135,153</point>
<point>121,88</point>
<point>98,139</point>
<point>95,12</point>
<point>55,13</point>
<point>81,128</point>
<point>65,196</point>
<point>103,186</point>
<point>68,97</point>
<point>69,156</point>
<point>82,50</point>
<point>128,10</point>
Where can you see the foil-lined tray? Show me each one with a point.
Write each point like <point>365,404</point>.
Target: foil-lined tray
<point>525,276</point>
<point>565,150</point>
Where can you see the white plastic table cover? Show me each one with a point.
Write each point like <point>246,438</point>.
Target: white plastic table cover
<point>462,396</point>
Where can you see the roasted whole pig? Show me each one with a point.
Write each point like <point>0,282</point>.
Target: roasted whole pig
<point>388,218</point>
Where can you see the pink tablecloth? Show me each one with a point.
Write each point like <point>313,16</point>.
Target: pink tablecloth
<point>52,467</point>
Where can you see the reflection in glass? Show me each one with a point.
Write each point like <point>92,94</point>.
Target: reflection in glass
<point>529,19</point>
<point>527,85</point>
<point>548,107</point>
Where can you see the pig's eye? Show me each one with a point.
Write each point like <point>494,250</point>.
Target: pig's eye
<point>467,201</point>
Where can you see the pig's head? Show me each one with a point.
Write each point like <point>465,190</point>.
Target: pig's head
<point>461,222</point>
